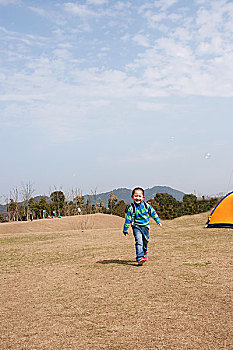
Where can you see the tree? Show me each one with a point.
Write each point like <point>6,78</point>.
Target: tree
<point>12,209</point>
<point>112,202</point>
<point>96,207</point>
<point>58,201</point>
<point>119,209</point>
<point>79,202</point>
<point>21,212</point>
<point>68,208</point>
<point>207,204</point>
<point>89,205</point>
<point>14,195</point>
<point>166,206</point>
<point>27,191</point>
<point>40,207</point>
<point>102,207</point>
<point>190,204</point>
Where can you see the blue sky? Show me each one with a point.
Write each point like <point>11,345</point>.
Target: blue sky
<point>100,94</point>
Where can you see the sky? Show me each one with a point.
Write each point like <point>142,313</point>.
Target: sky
<point>100,94</point>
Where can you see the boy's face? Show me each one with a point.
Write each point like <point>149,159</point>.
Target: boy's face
<point>138,196</point>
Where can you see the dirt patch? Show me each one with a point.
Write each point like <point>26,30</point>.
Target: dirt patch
<point>81,289</point>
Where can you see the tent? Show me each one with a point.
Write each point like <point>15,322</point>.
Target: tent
<point>222,214</point>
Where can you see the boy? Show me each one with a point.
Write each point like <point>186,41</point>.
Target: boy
<point>138,216</point>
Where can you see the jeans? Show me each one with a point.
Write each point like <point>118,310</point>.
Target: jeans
<point>141,236</point>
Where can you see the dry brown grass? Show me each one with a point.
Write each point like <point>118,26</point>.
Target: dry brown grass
<point>81,289</point>
<point>68,223</point>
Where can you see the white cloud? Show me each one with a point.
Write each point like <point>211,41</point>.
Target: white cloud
<point>62,53</point>
<point>125,37</point>
<point>175,64</point>
<point>122,5</point>
<point>188,58</point>
<point>214,19</point>
<point>213,47</point>
<point>164,4</point>
<point>182,34</point>
<point>142,40</point>
<point>97,2</point>
<point>21,97</point>
<point>155,19</point>
<point>9,2</point>
<point>39,11</point>
<point>79,10</point>
<point>149,106</point>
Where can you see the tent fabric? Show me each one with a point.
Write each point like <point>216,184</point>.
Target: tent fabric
<point>222,214</point>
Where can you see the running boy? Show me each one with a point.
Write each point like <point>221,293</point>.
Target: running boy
<point>138,216</point>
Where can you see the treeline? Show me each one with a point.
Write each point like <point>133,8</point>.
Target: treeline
<point>167,207</point>
<point>58,204</point>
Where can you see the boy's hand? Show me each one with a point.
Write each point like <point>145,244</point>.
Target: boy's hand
<point>160,224</point>
<point>125,233</point>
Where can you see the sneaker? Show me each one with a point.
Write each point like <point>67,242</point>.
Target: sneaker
<point>141,261</point>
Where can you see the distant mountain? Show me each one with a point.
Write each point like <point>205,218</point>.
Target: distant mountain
<point>125,194</point>
<point>151,192</point>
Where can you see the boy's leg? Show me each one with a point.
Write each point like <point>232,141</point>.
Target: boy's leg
<point>145,238</point>
<point>138,236</point>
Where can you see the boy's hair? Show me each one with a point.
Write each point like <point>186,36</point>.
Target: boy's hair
<point>137,189</point>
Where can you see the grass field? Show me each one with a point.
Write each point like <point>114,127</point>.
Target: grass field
<point>81,288</point>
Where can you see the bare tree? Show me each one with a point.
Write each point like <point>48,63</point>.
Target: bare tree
<point>27,192</point>
<point>7,201</point>
<point>68,205</point>
<point>96,200</point>
<point>78,199</point>
<point>14,196</point>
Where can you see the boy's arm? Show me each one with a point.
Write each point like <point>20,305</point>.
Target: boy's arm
<point>128,220</point>
<point>154,215</point>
